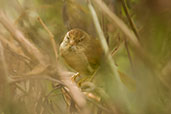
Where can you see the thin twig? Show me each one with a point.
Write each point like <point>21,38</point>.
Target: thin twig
<point>51,37</point>
<point>131,22</point>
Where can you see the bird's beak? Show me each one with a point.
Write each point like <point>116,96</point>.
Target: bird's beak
<point>71,42</point>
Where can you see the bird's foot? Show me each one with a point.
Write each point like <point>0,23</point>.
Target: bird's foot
<point>73,78</point>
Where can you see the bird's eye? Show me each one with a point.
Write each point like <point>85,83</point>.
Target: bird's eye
<point>67,38</point>
<point>81,39</point>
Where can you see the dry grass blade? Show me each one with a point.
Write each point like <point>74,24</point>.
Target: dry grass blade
<point>23,41</point>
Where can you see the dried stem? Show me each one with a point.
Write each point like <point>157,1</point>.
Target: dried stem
<point>22,40</point>
<point>51,37</point>
<point>131,22</point>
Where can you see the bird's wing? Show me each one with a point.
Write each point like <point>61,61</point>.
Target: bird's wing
<point>94,53</point>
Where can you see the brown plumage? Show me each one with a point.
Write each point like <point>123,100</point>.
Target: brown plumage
<point>82,52</point>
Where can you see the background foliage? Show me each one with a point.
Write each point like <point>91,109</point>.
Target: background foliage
<point>31,82</point>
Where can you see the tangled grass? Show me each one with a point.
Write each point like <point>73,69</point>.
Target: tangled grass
<point>133,78</point>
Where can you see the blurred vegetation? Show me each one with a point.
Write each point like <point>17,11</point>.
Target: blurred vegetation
<point>33,80</point>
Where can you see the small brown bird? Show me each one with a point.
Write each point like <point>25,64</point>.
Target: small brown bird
<point>84,54</point>
<point>81,52</point>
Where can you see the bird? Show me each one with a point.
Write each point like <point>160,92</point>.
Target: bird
<point>81,52</point>
<point>84,54</point>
